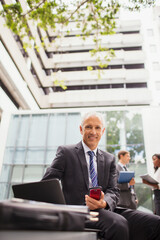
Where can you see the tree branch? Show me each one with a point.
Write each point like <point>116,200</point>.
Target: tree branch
<point>23,15</point>
<point>80,5</point>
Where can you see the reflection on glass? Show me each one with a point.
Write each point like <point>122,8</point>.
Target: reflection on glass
<point>144,194</point>
<point>113,127</point>
<point>50,155</point>
<point>5,173</point>
<point>38,130</point>
<point>35,156</point>
<point>11,195</point>
<point>17,174</point>
<point>19,156</point>
<point>72,130</point>
<point>3,192</point>
<point>23,130</point>
<point>57,129</point>
<point>134,136</point>
<point>33,173</point>
<point>9,155</point>
<point>13,131</point>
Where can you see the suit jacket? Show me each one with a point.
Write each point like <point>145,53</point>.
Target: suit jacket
<point>126,198</point>
<point>70,167</point>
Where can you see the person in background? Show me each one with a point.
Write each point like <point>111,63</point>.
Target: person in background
<point>156,187</point>
<point>128,198</point>
<point>84,165</point>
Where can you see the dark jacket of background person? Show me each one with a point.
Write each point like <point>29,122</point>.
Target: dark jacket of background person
<point>127,198</point>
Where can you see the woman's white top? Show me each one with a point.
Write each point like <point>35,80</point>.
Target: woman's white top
<point>157,176</point>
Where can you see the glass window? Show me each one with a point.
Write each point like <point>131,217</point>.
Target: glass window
<point>23,130</point>
<point>57,129</point>
<point>10,194</point>
<point>50,155</point>
<point>33,173</point>
<point>5,173</point>
<point>9,155</point>
<point>72,130</point>
<point>35,156</point>
<point>102,143</point>
<point>19,156</point>
<point>38,130</point>
<point>134,136</point>
<point>17,174</point>
<point>3,192</point>
<point>115,130</point>
<point>13,131</point>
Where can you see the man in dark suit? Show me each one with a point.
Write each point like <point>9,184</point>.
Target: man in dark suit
<point>127,198</point>
<point>72,166</point>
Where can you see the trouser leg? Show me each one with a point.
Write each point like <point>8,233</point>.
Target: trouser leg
<point>113,226</point>
<point>142,226</point>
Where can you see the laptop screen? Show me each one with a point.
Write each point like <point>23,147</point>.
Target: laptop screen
<point>49,191</point>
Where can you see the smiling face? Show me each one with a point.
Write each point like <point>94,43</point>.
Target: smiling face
<point>92,131</point>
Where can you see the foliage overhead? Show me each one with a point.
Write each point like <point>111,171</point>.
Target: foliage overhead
<point>48,13</point>
<point>96,17</point>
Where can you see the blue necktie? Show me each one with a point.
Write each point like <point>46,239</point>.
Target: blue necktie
<point>92,170</point>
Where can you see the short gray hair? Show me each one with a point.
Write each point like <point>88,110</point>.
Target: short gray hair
<point>91,114</point>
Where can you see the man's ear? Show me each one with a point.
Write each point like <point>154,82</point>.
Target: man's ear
<point>103,131</point>
<point>81,130</point>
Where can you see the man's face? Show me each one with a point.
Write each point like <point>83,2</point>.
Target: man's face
<point>126,158</point>
<point>92,131</point>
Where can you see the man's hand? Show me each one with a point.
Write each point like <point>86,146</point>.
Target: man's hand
<point>132,182</point>
<point>95,204</point>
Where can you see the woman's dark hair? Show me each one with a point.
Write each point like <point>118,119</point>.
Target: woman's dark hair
<point>158,156</point>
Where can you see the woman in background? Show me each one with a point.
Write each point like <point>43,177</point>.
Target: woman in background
<point>156,176</point>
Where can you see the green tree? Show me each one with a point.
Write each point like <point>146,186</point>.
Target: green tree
<point>134,134</point>
<point>113,131</point>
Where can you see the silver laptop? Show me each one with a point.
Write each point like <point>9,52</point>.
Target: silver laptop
<point>49,191</point>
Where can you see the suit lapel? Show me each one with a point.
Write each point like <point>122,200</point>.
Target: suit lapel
<point>82,159</point>
<point>100,167</point>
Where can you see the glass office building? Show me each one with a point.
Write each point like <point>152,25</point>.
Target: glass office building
<point>33,138</point>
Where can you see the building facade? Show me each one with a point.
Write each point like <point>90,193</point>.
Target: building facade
<point>32,79</point>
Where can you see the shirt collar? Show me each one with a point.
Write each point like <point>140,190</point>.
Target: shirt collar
<point>122,165</point>
<point>86,148</point>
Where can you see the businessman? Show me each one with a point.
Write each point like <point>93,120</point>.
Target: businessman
<point>82,166</point>
<point>127,198</point>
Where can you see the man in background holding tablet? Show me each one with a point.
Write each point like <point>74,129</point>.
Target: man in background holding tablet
<point>128,198</point>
